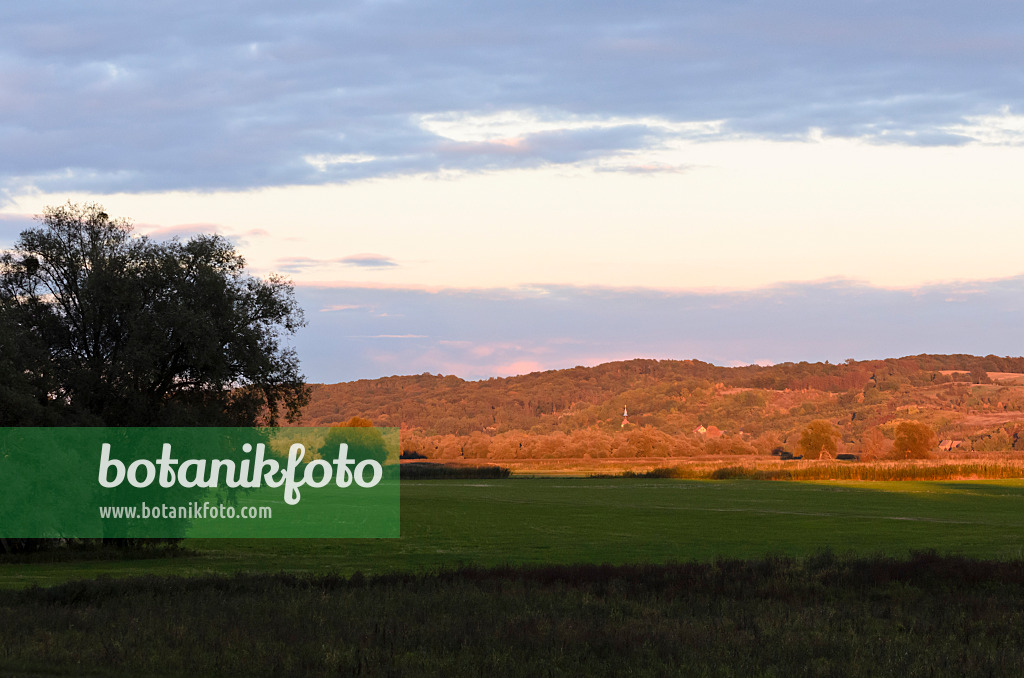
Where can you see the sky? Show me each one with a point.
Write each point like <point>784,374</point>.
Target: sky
<point>486,189</point>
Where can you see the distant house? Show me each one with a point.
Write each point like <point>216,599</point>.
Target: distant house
<point>947,445</point>
<point>709,431</point>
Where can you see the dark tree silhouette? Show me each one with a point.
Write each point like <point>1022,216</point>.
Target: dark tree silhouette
<point>101,326</point>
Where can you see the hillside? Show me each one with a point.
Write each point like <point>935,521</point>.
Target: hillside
<point>976,401</point>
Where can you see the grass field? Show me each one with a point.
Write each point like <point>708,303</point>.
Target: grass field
<point>819,616</point>
<point>559,520</point>
<point>849,590</point>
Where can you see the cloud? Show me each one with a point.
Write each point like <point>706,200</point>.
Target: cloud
<point>323,161</point>
<point>554,147</point>
<point>300,264</point>
<point>1002,129</point>
<point>388,336</point>
<point>650,168</point>
<point>135,97</point>
<point>342,307</point>
<point>368,261</point>
<point>239,239</point>
<point>481,333</point>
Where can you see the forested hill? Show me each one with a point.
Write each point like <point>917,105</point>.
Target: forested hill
<point>667,394</point>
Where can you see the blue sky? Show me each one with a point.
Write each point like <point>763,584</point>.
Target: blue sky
<point>807,180</point>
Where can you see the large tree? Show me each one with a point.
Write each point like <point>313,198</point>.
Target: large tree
<point>914,440</point>
<point>102,326</point>
<point>818,438</point>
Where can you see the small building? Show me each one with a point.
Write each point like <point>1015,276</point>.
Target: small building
<point>711,432</point>
<point>714,432</point>
<point>947,445</point>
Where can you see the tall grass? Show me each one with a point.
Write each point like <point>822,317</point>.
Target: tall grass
<point>821,616</point>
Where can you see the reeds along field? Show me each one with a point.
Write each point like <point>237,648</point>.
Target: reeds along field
<point>967,469</point>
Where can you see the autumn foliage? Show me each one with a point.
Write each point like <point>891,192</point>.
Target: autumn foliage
<point>692,409</point>
<point>914,440</point>
<point>819,438</point>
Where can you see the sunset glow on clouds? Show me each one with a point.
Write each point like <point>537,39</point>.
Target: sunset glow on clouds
<point>553,158</point>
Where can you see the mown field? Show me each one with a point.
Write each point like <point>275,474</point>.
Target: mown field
<point>560,520</point>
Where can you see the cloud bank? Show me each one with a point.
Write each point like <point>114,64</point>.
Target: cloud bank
<point>135,97</point>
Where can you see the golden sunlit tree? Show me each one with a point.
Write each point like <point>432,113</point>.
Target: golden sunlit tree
<point>818,438</point>
<point>914,440</point>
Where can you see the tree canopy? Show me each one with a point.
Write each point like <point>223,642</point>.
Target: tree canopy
<point>100,326</point>
<point>819,436</point>
<point>914,440</point>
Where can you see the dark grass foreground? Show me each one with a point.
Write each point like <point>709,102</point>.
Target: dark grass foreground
<point>823,616</point>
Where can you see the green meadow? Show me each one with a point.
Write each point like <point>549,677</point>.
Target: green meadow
<point>561,577</point>
<point>525,521</point>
